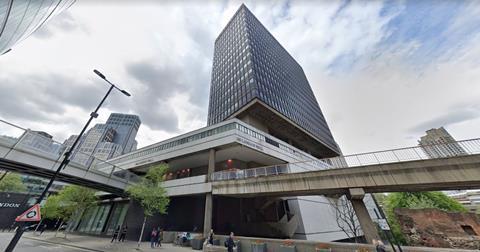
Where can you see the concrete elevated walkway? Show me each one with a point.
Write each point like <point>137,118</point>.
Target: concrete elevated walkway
<point>461,172</point>
<point>34,154</point>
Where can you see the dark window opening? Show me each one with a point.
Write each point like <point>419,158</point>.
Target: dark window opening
<point>468,229</point>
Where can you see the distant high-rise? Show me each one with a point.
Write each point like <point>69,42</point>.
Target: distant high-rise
<point>126,128</point>
<point>41,141</point>
<point>105,141</point>
<point>256,80</point>
<point>439,143</point>
<point>20,18</point>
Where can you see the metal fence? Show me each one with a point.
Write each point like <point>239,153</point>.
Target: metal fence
<point>41,144</point>
<point>424,152</point>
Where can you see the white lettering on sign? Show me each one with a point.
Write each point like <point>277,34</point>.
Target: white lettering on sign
<point>9,205</point>
<point>249,143</point>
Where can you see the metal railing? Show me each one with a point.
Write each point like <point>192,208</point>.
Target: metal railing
<point>249,173</point>
<point>37,143</point>
<point>424,152</point>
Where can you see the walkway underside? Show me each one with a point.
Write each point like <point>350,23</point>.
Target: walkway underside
<point>424,175</point>
<point>9,165</point>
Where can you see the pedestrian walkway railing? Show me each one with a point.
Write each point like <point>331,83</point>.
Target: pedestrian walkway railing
<point>41,144</point>
<point>421,152</point>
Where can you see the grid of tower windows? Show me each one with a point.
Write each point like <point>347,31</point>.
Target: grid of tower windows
<point>250,63</point>
<point>232,74</point>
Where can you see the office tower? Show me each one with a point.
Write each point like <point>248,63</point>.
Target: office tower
<point>98,143</point>
<point>126,128</point>
<point>439,143</point>
<point>42,142</point>
<point>256,80</point>
<point>105,141</point>
<point>20,18</point>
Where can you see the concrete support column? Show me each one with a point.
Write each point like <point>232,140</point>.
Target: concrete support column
<point>211,164</point>
<point>368,227</point>
<point>207,220</point>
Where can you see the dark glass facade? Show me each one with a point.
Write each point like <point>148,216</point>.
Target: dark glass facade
<point>20,18</point>
<point>250,64</point>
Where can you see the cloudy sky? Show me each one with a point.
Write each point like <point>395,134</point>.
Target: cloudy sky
<point>383,72</point>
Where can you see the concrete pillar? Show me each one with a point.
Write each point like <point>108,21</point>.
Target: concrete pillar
<point>368,227</point>
<point>211,164</point>
<point>207,220</point>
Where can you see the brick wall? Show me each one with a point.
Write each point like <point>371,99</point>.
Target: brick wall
<point>436,228</point>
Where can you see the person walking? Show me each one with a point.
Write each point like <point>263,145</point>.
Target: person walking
<point>115,233</point>
<point>123,234</point>
<point>229,243</point>
<point>153,238</point>
<point>159,237</point>
<point>210,237</point>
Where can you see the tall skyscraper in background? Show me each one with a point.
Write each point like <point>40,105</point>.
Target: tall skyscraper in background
<point>439,143</point>
<point>126,128</point>
<point>256,80</point>
<point>20,18</point>
<point>105,141</point>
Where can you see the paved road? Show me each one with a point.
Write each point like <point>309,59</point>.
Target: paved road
<point>28,245</point>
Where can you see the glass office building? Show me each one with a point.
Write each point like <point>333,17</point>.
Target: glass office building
<point>126,128</point>
<point>255,79</point>
<point>20,18</point>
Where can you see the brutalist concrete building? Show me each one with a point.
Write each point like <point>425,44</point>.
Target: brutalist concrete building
<point>262,113</point>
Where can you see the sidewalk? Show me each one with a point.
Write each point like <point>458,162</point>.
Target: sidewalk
<point>100,243</point>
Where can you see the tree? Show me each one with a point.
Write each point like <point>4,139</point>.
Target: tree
<point>70,201</point>
<point>417,200</point>
<point>12,182</point>
<point>51,210</point>
<point>345,217</point>
<point>150,194</point>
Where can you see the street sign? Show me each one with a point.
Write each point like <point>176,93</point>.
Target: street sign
<point>383,224</point>
<point>32,214</point>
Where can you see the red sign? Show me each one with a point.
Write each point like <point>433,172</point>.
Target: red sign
<point>32,214</point>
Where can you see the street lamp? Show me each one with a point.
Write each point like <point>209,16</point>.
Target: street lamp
<point>66,160</point>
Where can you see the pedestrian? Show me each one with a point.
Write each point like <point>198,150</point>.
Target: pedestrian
<point>379,246</point>
<point>229,243</point>
<point>123,234</point>
<point>210,237</point>
<point>184,238</point>
<point>153,238</point>
<point>115,233</point>
<point>159,237</point>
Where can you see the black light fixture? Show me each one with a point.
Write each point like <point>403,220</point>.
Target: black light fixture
<point>105,78</point>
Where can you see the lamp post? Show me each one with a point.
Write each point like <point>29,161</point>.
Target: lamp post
<point>66,160</point>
